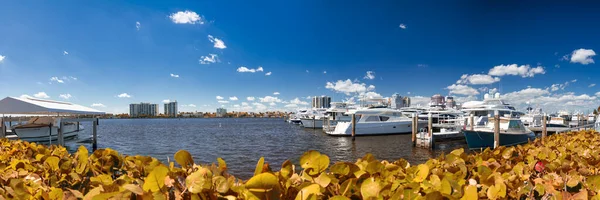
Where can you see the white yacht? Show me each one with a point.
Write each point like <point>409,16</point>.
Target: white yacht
<point>557,121</point>
<point>597,124</point>
<point>533,117</point>
<point>43,129</point>
<point>313,118</point>
<point>295,118</point>
<point>375,121</point>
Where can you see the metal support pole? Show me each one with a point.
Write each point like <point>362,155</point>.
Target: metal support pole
<point>353,126</point>
<point>94,133</point>
<point>544,126</point>
<point>496,129</point>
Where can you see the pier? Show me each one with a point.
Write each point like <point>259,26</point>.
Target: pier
<point>444,130</point>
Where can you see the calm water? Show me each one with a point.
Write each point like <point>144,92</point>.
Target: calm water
<point>241,142</point>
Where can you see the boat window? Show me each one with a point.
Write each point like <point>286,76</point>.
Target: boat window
<point>372,119</point>
<point>516,125</point>
<point>383,118</point>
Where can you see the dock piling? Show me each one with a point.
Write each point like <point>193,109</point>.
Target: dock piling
<point>430,129</point>
<point>3,131</point>
<point>544,125</point>
<point>496,129</point>
<point>414,130</point>
<point>60,139</point>
<point>353,126</point>
<point>94,134</point>
<point>472,123</point>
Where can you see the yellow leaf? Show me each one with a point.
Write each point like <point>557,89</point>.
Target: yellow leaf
<point>56,194</point>
<point>52,161</point>
<point>92,193</point>
<point>156,179</point>
<point>82,159</point>
<point>199,180</point>
<point>136,189</point>
<point>421,173</point>
<point>314,160</point>
<point>470,193</point>
<point>370,188</point>
<point>222,164</point>
<point>259,166</point>
<point>103,179</point>
<point>221,184</point>
<point>184,158</point>
<point>286,169</point>
<point>309,192</point>
<point>323,180</point>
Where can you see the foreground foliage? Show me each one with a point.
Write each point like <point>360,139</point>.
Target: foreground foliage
<point>565,166</point>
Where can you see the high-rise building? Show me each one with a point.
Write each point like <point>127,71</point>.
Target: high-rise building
<point>437,101</point>
<point>143,109</point>
<point>171,109</point>
<point>221,112</point>
<point>450,103</point>
<point>396,101</point>
<point>321,102</point>
<point>406,101</point>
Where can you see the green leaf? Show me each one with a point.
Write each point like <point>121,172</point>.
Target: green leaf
<point>370,188</point>
<point>375,167</point>
<point>259,166</point>
<point>309,192</point>
<point>221,184</point>
<point>184,158</point>
<point>264,185</point>
<point>156,179</point>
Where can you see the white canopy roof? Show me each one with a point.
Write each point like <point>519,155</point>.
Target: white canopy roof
<point>28,105</point>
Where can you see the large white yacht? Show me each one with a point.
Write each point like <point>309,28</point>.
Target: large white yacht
<point>313,118</point>
<point>375,121</point>
<point>533,117</point>
<point>597,124</point>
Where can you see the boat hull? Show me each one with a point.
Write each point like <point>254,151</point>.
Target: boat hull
<point>310,123</point>
<point>43,134</point>
<point>376,128</point>
<point>484,139</point>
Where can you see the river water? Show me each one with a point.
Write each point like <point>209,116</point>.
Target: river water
<point>242,141</point>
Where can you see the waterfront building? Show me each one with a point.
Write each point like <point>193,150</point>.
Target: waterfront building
<point>396,101</point>
<point>437,101</point>
<point>171,109</point>
<point>321,102</point>
<point>143,109</point>
<point>450,103</point>
<point>406,101</point>
<point>221,112</point>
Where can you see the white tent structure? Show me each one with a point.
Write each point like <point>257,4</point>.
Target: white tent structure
<point>28,105</point>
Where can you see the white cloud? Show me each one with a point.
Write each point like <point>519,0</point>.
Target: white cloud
<point>307,71</point>
<point>477,79</point>
<point>598,94</point>
<point>513,69</point>
<point>218,43</point>
<point>268,74</point>
<point>98,105</point>
<point>220,98</point>
<point>244,104</point>
<point>2,58</point>
<point>298,101</point>
<point>291,105</point>
<point>592,85</point>
<point>166,101</point>
<point>186,17</point>
<point>272,104</point>
<point>211,58</point>
<point>525,95</point>
<point>65,96</point>
<point>190,105</point>
<point>324,72</point>
<point>269,99</point>
<point>402,26</point>
<point>245,69</point>
<point>174,75</point>
<point>259,106</point>
<point>250,98</point>
<point>372,95</point>
<point>347,87</point>
<point>233,98</point>
<point>370,75</point>
<point>56,79</point>
<point>583,56</point>
<point>558,86</point>
<point>138,25</point>
<point>41,95</point>
<point>124,95</point>
<point>574,80</point>
<point>276,93</point>
<point>65,53</point>
<point>462,90</point>
<point>223,102</point>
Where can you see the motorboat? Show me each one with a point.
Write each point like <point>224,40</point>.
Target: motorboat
<point>512,132</point>
<point>337,113</point>
<point>533,117</point>
<point>597,124</point>
<point>375,121</point>
<point>44,129</point>
<point>295,118</point>
<point>557,121</point>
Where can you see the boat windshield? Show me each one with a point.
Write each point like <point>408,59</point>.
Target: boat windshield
<point>516,125</point>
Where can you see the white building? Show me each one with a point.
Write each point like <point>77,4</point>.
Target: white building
<point>171,109</point>
<point>143,109</point>
<point>396,101</point>
<point>221,112</point>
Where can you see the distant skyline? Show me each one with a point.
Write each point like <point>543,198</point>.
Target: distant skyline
<point>275,55</point>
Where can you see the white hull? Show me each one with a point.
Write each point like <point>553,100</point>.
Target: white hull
<point>374,128</point>
<point>43,134</point>
<point>309,123</point>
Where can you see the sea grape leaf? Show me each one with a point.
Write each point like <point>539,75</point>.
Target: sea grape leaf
<point>184,158</point>
<point>82,159</point>
<point>421,173</point>
<point>286,169</point>
<point>56,194</point>
<point>370,188</point>
<point>323,180</point>
<point>314,160</point>
<point>265,185</point>
<point>470,193</point>
<point>259,166</point>
<point>221,184</point>
<point>374,167</point>
<point>508,152</point>
<point>136,189</point>
<point>199,180</point>
<point>309,192</point>
<point>338,197</point>
<point>156,179</point>
<point>222,164</point>
<point>52,161</point>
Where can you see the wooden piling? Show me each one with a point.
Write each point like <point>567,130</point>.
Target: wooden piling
<point>429,125</point>
<point>353,126</point>
<point>313,126</point>
<point>94,134</point>
<point>496,129</point>
<point>472,125</point>
<point>60,139</point>
<point>414,129</point>
<point>3,126</point>
<point>544,125</point>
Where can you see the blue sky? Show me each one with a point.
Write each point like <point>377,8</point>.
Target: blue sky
<point>152,51</point>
